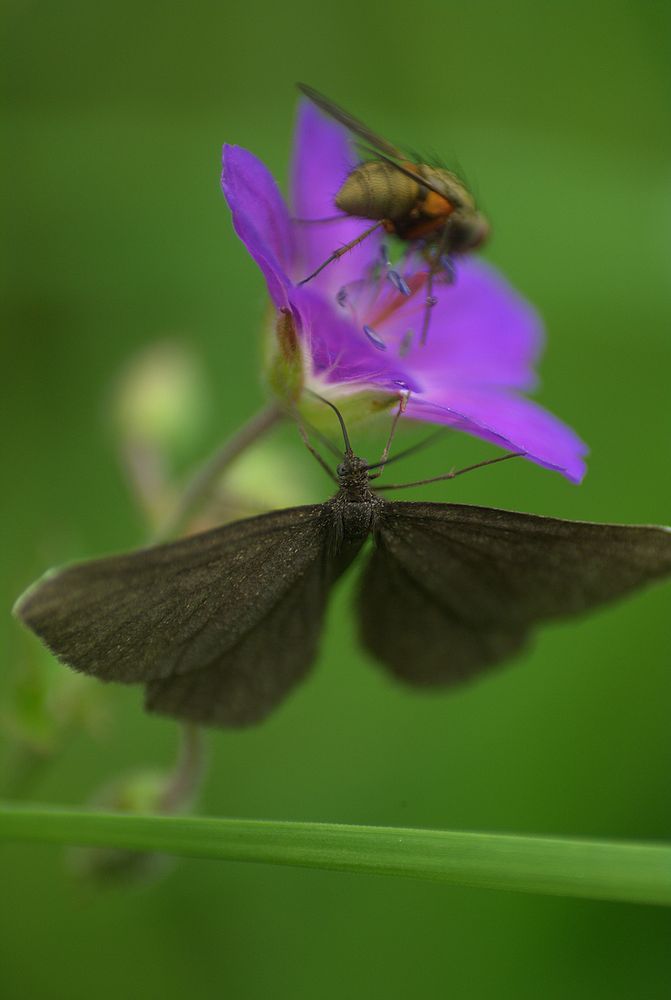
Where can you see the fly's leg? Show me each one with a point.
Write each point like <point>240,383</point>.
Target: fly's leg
<point>435,265</point>
<point>342,250</point>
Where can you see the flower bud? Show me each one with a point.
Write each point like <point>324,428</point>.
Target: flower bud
<point>161,398</point>
<point>142,792</point>
<point>44,707</point>
<point>285,367</point>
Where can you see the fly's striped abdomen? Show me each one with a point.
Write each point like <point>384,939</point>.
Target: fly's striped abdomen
<point>378,190</point>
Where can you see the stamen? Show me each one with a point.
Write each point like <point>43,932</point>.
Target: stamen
<point>431,300</point>
<point>341,297</point>
<point>399,283</point>
<point>374,339</point>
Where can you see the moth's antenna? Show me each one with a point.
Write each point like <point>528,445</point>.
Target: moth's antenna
<point>337,452</point>
<point>313,451</point>
<point>402,403</point>
<point>348,446</point>
<point>453,474</point>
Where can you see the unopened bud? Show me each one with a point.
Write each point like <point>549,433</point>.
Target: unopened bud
<point>142,792</point>
<point>161,398</point>
<point>285,368</point>
<point>44,707</point>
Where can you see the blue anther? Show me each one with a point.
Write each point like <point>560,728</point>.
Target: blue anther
<point>399,283</point>
<point>374,339</point>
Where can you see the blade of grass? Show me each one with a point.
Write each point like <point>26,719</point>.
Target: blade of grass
<point>624,871</point>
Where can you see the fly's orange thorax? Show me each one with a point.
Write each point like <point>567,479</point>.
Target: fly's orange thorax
<point>436,206</point>
<point>431,217</point>
<point>430,210</point>
<point>427,217</point>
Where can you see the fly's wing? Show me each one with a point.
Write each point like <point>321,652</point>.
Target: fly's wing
<point>451,590</point>
<point>350,122</point>
<point>381,148</point>
<point>232,600</point>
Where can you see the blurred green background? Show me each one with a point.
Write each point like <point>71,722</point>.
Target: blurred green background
<point>117,237</point>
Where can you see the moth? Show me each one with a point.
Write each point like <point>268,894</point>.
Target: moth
<point>219,627</point>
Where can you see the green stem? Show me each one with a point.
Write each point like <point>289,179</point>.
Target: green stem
<point>624,871</point>
<point>189,769</point>
<point>187,772</point>
<point>205,478</point>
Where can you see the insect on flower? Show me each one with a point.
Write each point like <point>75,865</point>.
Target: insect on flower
<point>220,626</point>
<point>427,206</point>
<point>358,336</point>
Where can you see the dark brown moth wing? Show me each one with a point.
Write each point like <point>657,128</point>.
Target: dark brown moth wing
<point>244,683</point>
<point>452,589</point>
<point>172,609</point>
<point>420,639</point>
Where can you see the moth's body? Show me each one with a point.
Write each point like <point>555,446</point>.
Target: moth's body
<point>219,627</point>
<point>355,508</point>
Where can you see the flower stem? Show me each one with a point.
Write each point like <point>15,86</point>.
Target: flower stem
<point>623,871</point>
<point>189,768</point>
<point>187,773</point>
<point>204,480</point>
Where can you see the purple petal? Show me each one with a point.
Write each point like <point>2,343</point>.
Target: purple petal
<point>260,217</point>
<point>480,330</point>
<point>509,421</point>
<point>322,160</point>
<point>340,352</point>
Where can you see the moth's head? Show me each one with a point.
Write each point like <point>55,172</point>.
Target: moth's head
<point>352,470</point>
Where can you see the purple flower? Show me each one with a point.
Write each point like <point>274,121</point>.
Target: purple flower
<point>358,321</point>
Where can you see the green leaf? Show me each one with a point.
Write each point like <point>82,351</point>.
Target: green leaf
<point>624,871</point>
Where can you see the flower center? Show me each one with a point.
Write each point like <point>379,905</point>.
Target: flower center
<point>386,305</point>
